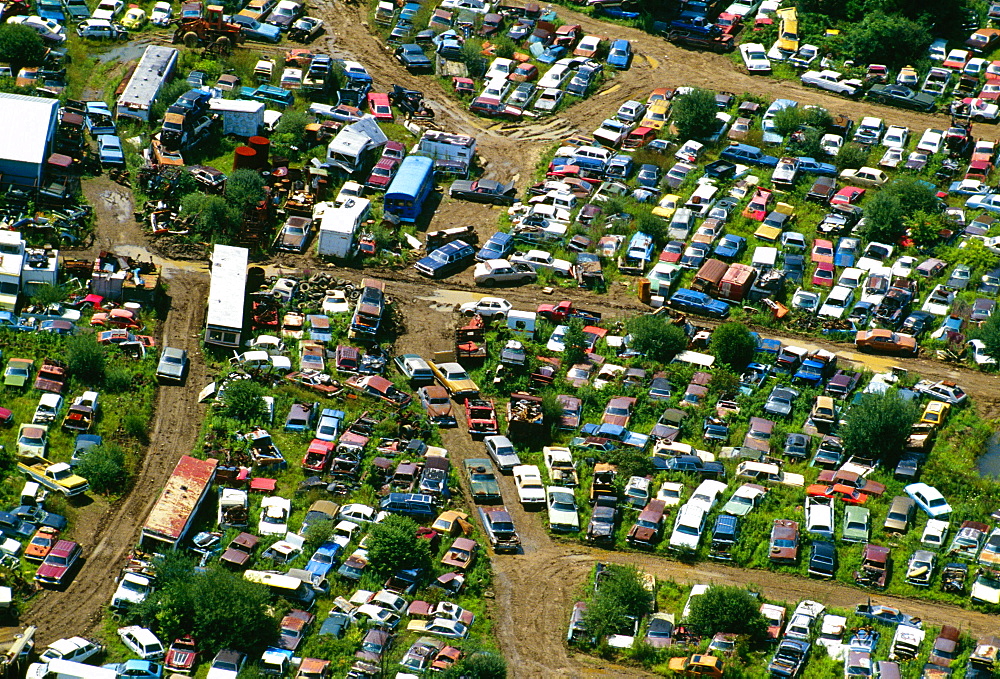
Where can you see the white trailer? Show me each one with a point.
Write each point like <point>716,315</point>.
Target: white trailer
<point>338,226</point>
<point>240,117</point>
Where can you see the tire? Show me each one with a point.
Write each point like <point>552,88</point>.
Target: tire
<point>469,314</point>
<point>224,44</point>
<point>190,39</point>
<point>880,100</point>
<point>489,283</point>
<point>979,119</point>
<point>499,317</point>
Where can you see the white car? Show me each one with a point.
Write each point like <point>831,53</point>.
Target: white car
<point>563,516</point>
<point>820,516</point>
<point>982,110</point>
<point>934,534</point>
<point>929,499</point>
<point>670,493</point>
<point>556,341</point>
<point>939,301</point>
<point>876,285</point>
<point>688,527</point>
<point>755,57</point>
<point>806,301</point>
<point>108,9</point>
<point>744,499</point>
<point>162,13</point>
<point>831,81</point>
<point>904,266</point>
<point>707,494</point>
<point>975,67</point>
<point>938,50</point>
<point>696,591</point>
<point>487,307</point>
<point>500,68</point>
<point>356,513</point>
<point>978,349</point>
<point>851,277</point>
<point>554,77</point>
<point>353,69</point>
<point>142,642</point>
<point>530,489</point>
<point>336,302</point>
<point>689,151</point>
<point>132,589</point>
<point>274,513</point>
<point>875,255</point>
<point>931,141</point>
<point>896,137</point>
<point>831,144</point>
<point>541,260</point>
<point>837,302</point>
<point>46,28</point>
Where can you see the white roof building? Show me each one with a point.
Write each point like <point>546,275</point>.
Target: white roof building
<point>31,125</point>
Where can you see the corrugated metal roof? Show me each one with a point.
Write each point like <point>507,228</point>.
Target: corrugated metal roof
<point>27,121</point>
<point>154,68</point>
<point>227,290</point>
<point>180,497</point>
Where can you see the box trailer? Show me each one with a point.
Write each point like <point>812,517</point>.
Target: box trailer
<point>709,276</point>
<point>227,296</point>
<point>338,226</point>
<point>240,117</point>
<point>736,284</point>
<point>175,510</point>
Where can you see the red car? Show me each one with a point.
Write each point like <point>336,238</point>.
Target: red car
<point>393,150</point>
<point>382,174</point>
<point>55,570</point>
<point>524,73</point>
<point>822,251</point>
<point>123,336</point>
<point>619,411</point>
<point>851,496</point>
<point>759,204</point>
<point>41,544</point>
<point>824,275</point>
<point>182,655</point>
<point>729,23</point>
<point>318,455</point>
<point>464,85</point>
<point>849,195</point>
<point>672,251</point>
<point>378,104</point>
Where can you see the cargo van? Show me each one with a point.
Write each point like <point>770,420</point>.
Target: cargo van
<point>736,283</point>
<point>709,276</point>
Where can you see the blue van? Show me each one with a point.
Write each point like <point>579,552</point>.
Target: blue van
<point>498,246</point>
<point>699,303</point>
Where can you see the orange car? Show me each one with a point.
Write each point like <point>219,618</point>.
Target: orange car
<point>41,544</point>
<point>885,341</point>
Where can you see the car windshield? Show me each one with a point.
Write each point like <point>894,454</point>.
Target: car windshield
<point>687,530</point>
<point>784,543</point>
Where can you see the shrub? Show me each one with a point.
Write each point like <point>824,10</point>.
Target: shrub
<point>727,609</point>
<point>105,468</point>
<point>733,344</point>
<point>243,400</point>
<point>136,426</point>
<point>656,337</point>
<point>393,546</point>
<point>86,359</point>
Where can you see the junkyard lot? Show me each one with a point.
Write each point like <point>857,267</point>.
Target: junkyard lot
<point>534,590</point>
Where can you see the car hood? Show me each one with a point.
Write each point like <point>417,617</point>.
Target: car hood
<point>985,593</point>
<point>50,571</point>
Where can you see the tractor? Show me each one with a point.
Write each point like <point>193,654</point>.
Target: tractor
<point>208,30</point>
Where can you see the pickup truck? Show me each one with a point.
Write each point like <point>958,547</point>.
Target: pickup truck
<point>499,529</point>
<point>561,312</point>
<point>56,476</point>
<point>80,415</point>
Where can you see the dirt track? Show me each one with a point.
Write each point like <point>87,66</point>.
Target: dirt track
<point>533,590</point>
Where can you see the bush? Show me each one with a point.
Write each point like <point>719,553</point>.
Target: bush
<point>851,156</point>
<point>86,359</point>
<point>243,400</point>
<point>393,546</point>
<point>48,294</point>
<point>733,345</point>
<point>117,379</point>
<point>136,426</point>
<point>621,597</point>
<point>656,337</point>
<point>989,333</point>
<point>888,39</point>
<point>104,466</point>
<point>694,114</point>
<point>21,45</point>
<point>727,609</point>
<point>877,427</point>
<point>575,344</point>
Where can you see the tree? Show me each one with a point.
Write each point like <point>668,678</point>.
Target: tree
<point>575,343</point>
<point>85,358</point>
<point>727,609</point>
<point>48,294</point>
<point>478,665</point>
<point>989,333</point>
<point>472,57</point>
<point>243,400</point>
<point>914,194</point>
<point>621,597</point>
<point>923,228</point>
<point>877,427</point>
<point>21,45</point>
<point>219,608</point>
<point>888,39</point>
<point>319,532</point>
<point>733,345</point>
<point>851,156</point>
<point>106,470</point>
<point>694,114</point>
<point>810,144</point>
<point>290,132</point>
<point>244,190</point>
<point>211,215</point>
<point>884,218</point>
<point>816,117</point>
<point>787,120</point>
<point>393,546</point>
<point>656,337</point>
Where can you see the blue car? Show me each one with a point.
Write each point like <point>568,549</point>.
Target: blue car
<point>616,432</point>
<point>748,155</point>
<point>446,259</point>
<point>620,167</point>
<point>110,150</point>
<point>649,176</point>
<point>552,54</point>
<point>255,30</point>
<point>620,54</point>
<point>696,302</point>
<point>730,247</point>
<point>847,251</point>
<point>136,669</point>
<point>771,136</point>
<point>98,120</point>
<point>813,166</point>
<point>323,559</point>
<point>498,246</point>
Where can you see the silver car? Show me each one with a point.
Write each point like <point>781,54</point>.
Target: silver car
<point>173,364</point>
<point>502,451</point>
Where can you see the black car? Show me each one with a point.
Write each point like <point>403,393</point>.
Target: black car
<point>822,559</point>
<point>917,323</point>
<point>725,534</point>
<point>797,446</point>
<point>861,313</point>
<point>484,191</point>
<point>691,463</point>
<point>720,169</point>
<point>412,57</point>
<point>822,190</point>
<point>902,96</point>
<point>781,401</point>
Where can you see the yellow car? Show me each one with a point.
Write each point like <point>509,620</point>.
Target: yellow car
<point>656,115</point>
<point>667,206</point>
<point>788,30</point>
<point>134,18</point>
<point>453,377</point>
<point>935,413</point>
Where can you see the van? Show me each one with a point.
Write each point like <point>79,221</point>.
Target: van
<point>639,137</point>
<point>67,669</point>
<point>593,153</point>
<point>416,505</point>
<point>648,526</point>
<point>142,642</point>
<point>286,586</point>
<point>709,276</point>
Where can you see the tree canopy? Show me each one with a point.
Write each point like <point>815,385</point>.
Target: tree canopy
<point>989,333</point>
<point>727,609</point>
<point>105,468</point>
<point>656,337</point>
<point>244,400</point>
<point>733,344</point>
<point>21,45</point>
<point>877,426</point>
<point>888,39</point>
<point>393,546</point>
<point>620,597</point>
<point>574,343</point>
<point>694,114</point>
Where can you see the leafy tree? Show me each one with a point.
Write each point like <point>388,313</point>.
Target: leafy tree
<point>243,400</point>
<point>244,190</point>
<point>319,532</point>
<point>219,608</point>
<point>575,344</point>
<point>393,546</point>
<point>914,194</point>
<point>733,344</point>
<point>472,57</point>
<point>923,228</point>
<point>290,132</point>
<point>810,144</point>
<point>888,39</point>
<point>989,333</point>
<point>884,218</point>
<point>86,359</point>
<point>478,665</point>
<point>552,411</point>
<point>877,427</point>
<point>653,226</point>
<point>630,462</point>
<point>48,294</point>
<point>106,470</point>
<point>727,609</point>
<point>211,215</point>
<point>620,597</point>
<point>816,117</point>
<point>694,114</point>
<point>851,156</point>
<point>787,120</point>
<point>656,337</point>
<point>19,44</point>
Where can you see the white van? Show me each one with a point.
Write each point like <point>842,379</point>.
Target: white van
<point>142,642</point>
<point>67,669</point>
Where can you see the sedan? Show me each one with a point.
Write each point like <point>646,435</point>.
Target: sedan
<point>484,191</point>
<point>563,515</point>
<point>755,58</point>
<point>172,365</point>
<point>649,176</point>
<point>822,559</point>
<point>162,13</point>
<point>255,30</point>
<point>902,96</point>
<point>382,174</point>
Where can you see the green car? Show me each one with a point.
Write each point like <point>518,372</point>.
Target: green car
<point>483,480</point>
<point>857,524</point>
<point>18,372</point>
